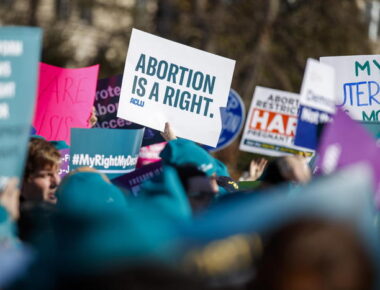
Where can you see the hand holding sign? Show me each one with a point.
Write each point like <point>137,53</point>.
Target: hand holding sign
<point>168,133</point>
<point>93,118</point>
<point>256,168</point>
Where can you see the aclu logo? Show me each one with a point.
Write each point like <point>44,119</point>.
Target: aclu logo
<point>137,102</point>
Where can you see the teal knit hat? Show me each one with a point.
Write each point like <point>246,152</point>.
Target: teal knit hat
<point>182,152</point>
<point>88,191</point>
<point>167,193</point>
<point>59,145</point>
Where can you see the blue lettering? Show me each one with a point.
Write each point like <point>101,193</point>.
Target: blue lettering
<point>141,63</point>
<point>209,84</point>
<point>151,69</point>
<point>364,94</point>
<point>371,95</point>
<point>137,102</point>
<point>359,93</point>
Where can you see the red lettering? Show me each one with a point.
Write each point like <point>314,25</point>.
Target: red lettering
<point>273,122</point>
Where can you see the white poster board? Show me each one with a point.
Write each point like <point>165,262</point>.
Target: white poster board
<point>357,85</point>
<point>165,81</point>
<point>317,103</point>
<point>271,124</point>
<point>318,90</point>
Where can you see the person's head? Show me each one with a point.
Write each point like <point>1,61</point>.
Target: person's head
<point>89,169</point>
<point>180,152</point>
<point>314,254</point>
<point>88,190</point>
<point>292,169</point>
<point>41,177</point>
<point>199,187</point>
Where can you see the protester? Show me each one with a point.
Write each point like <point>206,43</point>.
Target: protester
<point>35,222</point>
<point>41,177</point>
<point>256,169</point>
<point>314,254</point>
<point>87,190</point>
<point>292,169</point>
<point>166,193</point>
<point>179,152</point>
<point>188,225</point>
<point>200,189</point>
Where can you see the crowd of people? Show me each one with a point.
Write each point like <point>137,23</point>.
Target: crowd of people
<point>191,227</point>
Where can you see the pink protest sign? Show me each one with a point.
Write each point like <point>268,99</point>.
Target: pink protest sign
<point>345,142</point>
<point>150,154</point>
<point>65,100</point>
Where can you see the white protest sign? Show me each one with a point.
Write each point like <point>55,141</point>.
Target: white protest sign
<point>357,84</point>
<point>317,102</point>
<point>318,89</point>
<point>271,124</point>
<point>165,81</point>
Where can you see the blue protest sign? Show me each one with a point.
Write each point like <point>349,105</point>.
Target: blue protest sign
<point>113,152</point>
<point>106,105</point>
<point>232,121</point>
<point>19,56</point>
<point>310,122</point>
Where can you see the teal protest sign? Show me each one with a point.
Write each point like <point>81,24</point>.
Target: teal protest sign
<point>374,129</point>
<point>111,151</point>
<point>19,56</point>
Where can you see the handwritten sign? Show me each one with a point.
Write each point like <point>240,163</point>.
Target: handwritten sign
<point>106,105</point>
<point>113,152</point>
<point>271,124</point>
<point>19,56</point>
<point>317,102</point>
<point>357,85</point>
<point>166,81</point>
<point>65,100</point>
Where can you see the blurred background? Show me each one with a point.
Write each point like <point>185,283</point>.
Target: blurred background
<point>269,39</point>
